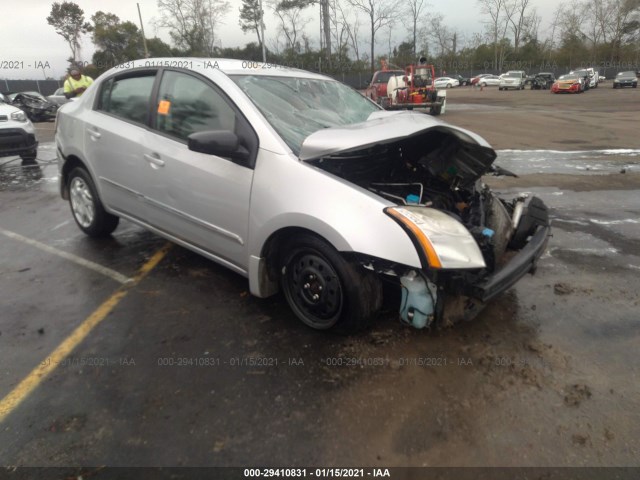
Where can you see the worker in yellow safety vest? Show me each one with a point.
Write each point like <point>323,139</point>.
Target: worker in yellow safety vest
<point>76,83</point>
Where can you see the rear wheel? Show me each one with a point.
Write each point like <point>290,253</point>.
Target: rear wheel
<point>86,206</point>
<point>325,290</point>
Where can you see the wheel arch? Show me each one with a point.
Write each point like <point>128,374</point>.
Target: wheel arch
<point>71,162</point>
<point>264,278</point>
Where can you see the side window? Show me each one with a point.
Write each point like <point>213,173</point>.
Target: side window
<point>127,97</point>
<point>187,105</point>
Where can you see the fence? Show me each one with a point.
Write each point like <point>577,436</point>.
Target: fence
<point>45,87</point>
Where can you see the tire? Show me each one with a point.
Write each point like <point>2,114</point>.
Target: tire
<point>483,85</point>
<point>435,111</point>
<point>448,85</point>
<point>324,290</point>
<point>534,215</point>
<point>635,85</point>
<point>86,207</point>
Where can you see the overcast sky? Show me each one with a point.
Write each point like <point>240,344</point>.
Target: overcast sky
<point>26,40</point>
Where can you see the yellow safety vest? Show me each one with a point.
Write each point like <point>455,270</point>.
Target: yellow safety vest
<point>70,84</point>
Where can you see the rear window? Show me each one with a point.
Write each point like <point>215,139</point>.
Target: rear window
<point>128,97</point>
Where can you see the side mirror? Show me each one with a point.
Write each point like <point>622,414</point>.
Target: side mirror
<point>222,143</point>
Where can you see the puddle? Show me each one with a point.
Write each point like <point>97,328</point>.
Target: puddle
<point>14,175</point>
<point>577,162</point>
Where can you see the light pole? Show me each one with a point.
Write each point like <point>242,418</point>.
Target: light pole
<point>264,51</point>
<point>144,39</point>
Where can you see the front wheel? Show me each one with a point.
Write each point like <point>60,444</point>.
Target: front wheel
<point>86,206</point>
<point>325,290</point>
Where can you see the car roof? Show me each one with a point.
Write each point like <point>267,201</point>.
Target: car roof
<point>227,66</point>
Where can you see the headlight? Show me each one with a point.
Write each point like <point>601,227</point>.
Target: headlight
<point>616,81</point>
<point>19,117</point>
<point>443,240</point>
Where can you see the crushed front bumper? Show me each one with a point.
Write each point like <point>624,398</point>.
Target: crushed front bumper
<point>523,262</point>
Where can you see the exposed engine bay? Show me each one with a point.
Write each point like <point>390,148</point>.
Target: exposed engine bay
<point>445,175</point>
<point>437,169</point>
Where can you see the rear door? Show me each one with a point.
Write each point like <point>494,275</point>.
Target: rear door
<point>201,199</point>
<point>113,136</point>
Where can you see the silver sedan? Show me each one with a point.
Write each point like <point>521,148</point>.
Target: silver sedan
<point>300,184</point>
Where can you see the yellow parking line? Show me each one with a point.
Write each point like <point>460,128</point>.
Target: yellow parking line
<point>38,374</point>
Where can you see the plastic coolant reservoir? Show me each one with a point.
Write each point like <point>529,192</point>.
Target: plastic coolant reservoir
<point>418,300</point>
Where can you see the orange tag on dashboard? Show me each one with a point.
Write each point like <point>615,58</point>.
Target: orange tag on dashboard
<point>163,107</point>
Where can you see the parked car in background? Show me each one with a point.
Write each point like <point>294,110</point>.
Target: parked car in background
<point>489,81</point>
<point>586,77</point>
<point>463,81</point>
<point>542,81</point>
<point>17,134</point>
<point>35,105</point>
<point>625,79</point>
<point>58,97</point>
<point>475,80</point>
<point>377,89</point>
<point>569,83</point>
<point>594,77</point>
<point>302,185</point>
<point>513,79</point>
<point>446,82</point>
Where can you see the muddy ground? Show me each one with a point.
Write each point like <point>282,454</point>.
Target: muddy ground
<point>546,376</point>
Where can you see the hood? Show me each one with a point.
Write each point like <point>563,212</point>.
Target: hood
<point>6,109</point>
<point>32,100</point>
<point>381,128</point>
<point>467,156</point>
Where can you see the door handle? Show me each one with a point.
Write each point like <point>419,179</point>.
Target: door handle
<point>154,159</point>
<point>94,133</point>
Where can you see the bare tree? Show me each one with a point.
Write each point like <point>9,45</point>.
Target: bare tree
<point>620,15</point>
<point>497,25</point>
<point>192,23</point>
<point>339,28</point>
<point>380,13</point>
<point>518,20</point>
<point>439,34</point>
<point>414,10</point>
<point>292,22</point>
<point>351,26</point>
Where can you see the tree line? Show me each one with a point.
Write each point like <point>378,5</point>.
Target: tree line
<point>355,34</point>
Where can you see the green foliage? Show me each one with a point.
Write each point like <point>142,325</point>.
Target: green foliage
<point>250,17</point>
<point>118,42</point>
<point>67,18</point>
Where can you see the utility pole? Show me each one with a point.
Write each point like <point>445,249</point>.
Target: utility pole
<point>144,39</point>
<point>264,50</point>
<point>326,23</point>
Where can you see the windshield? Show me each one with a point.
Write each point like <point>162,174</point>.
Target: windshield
<point>513,75</point>
<point>627,74</point>
<point>568,77</point>
<point>297,107</point>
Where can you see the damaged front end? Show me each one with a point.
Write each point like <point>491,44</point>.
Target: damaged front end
<point>472,244</point>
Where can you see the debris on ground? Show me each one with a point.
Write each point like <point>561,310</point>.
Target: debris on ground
<point>562,289</point>
<point>576,395</point>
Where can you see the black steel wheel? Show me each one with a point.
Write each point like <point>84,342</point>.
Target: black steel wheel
<point>86,206</point>
<point>323,289</point>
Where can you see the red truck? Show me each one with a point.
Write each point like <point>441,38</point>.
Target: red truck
<point>377,89</point>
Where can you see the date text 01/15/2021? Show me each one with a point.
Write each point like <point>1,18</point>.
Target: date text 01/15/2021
<point>317,472</point>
